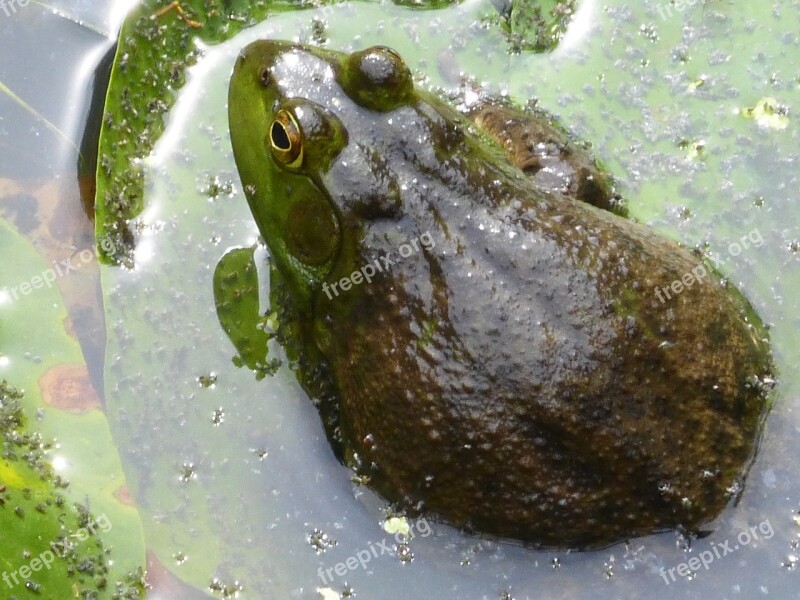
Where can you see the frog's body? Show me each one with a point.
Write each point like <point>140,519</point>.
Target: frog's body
<point>513,370</point>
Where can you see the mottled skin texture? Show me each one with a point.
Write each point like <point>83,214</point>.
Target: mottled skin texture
<point>546,152</point>
<point>518,376</point>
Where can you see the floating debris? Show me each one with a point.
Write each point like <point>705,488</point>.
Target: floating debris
<point>768,113</point>
<point>321,542</point>
<point>394,525</point>
<point>328,594</point>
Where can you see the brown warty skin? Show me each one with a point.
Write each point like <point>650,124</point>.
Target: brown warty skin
<point>515,372</point>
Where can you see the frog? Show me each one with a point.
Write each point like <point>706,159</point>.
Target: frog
<point>499,353</point>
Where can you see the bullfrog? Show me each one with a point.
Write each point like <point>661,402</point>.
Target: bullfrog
<point>504,355</point>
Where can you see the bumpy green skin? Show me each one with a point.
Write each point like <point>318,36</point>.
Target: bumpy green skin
<point>517,375</point>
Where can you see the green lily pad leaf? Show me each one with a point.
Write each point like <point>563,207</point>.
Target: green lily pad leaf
<point>51,547</point>
<point>156,45</point>
<point>539,25</point>
<point>68,528</point>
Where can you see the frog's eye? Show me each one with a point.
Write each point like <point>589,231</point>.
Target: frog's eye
<point>286,140</point>
<point>378,78</point>
<point>305,137</point>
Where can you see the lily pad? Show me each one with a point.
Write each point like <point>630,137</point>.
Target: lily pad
<point>537,25</point>
<point>64,500</point>
<point>240,490</point>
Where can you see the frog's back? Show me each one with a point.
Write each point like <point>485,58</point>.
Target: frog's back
<point>520,363</point>
<point>527,352</point>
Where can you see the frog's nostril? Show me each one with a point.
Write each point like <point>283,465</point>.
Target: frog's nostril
<point>280,139</point>
<point>265,76</point>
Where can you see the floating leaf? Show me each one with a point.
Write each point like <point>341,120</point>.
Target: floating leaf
<point>537,25</point>
<point>58,456</point>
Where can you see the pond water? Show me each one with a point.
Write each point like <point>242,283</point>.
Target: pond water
<point>236,484</point>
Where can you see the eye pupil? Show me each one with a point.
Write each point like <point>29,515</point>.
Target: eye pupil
<point>285,140</point>
<point>280,139</point>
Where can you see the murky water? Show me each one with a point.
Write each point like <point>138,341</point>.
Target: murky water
<point>234,477</point>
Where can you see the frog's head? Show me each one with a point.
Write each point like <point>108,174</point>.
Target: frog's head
<point>310,131</point>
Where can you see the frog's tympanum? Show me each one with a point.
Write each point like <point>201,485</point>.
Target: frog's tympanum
<point>502,353</point>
